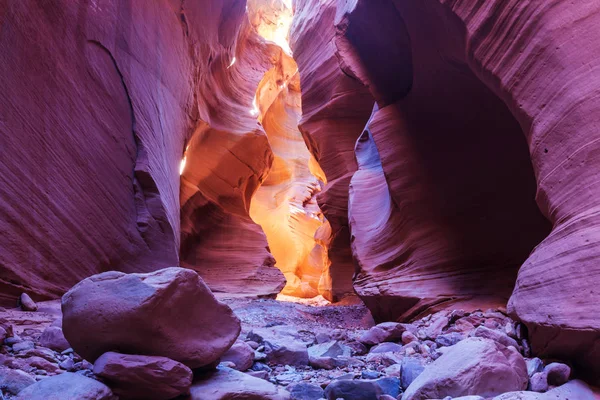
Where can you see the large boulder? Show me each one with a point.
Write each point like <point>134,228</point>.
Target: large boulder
<point>474,366</point>
<point>229,384</point>
<point>67,386</point>
<point>169,313</point>
<point>143,377</point>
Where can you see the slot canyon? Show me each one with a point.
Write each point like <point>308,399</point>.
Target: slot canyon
<point>300,200</point>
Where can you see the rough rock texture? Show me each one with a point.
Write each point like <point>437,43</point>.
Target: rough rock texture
<point>169,313</point>
<point>143,377</point>
<point>229,384</point>
<point>12,381</point>
<point>474,366</point>
<point>99,103</point>
<point>335,108</point>
<point>67,386</point>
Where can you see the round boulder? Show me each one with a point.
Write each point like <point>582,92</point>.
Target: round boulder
<point>169,313</point>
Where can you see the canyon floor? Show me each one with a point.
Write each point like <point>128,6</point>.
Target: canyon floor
<point>313,349</point>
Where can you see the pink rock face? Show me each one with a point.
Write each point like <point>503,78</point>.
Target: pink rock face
<point>447,232</point>
<point>85,105</point>
<point>143,377</point>
<point>169,313</point>
<point>489,112</point>
<point>98,106</point>
<point>335,108</point>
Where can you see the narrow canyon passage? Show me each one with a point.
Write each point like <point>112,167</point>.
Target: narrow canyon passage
<point>299,200</point>
<point>285,204</point>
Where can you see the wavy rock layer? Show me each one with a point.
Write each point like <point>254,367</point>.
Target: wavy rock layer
<point>285,205</point>
<point>226,160</point>
<point>459,212</point>
<point>100,99</point>
<point>335,108</point>
<point>94,126</point>
<point>556,293</point>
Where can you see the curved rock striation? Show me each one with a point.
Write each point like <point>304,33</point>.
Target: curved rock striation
<point>94,126</point>
<point>100,103</point>
<point>456,166</point>
<point>285,204</point>
<point>489,111</point>
<point>226,160</point>
<point>556,293</point>
<point>335,107</point>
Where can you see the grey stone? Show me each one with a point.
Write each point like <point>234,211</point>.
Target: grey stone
<point>573,390</point>
<point>305,391</point>
<point>384,332</point>
<point>534,365</point>
<point>67,386</point>
<point>226,383</point>
<point>539,382</point>
<point>240,354</point>
<point>330,349</point>
<point>499,337</point>
<point>12,381</point>
<point>53,338</point>
<point>68,364</point>
<point>558,373</point>
<point>473,366</point>
<point>411,369</point>
<point>291,353</point>
<point>258,374</point>
<point>368,374</point>
<point>24,345</point>
<point>448,339</point>
<point>386,347</point>
<point>27,303</point>
<point>322,337</point>
<point>408,337</point>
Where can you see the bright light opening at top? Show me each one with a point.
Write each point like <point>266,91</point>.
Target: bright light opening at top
<point>275,26</point>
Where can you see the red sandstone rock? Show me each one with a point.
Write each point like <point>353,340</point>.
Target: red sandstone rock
<point>143,377</point>
<point>169,313</point>
<point>335,108</point>
<point>99,103</point>
<point>227,158</point>
<point>460,211</point>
